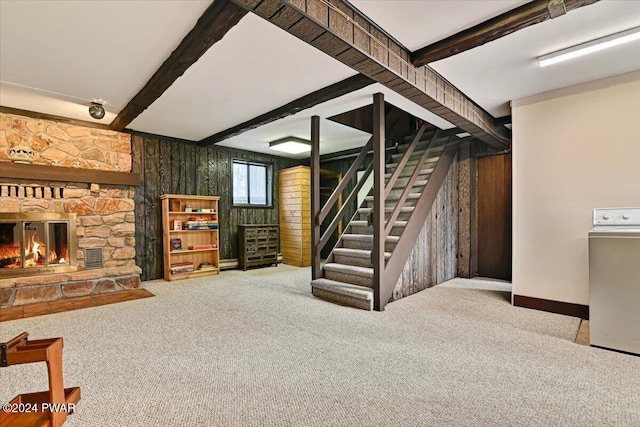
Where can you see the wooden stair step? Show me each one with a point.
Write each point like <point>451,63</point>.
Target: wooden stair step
<point>355,275</point>
<point>392,199</point>
<point>368,237</point>
<point>343,293</point>
<point>427,169</point>
<point>361,223</point>
<point>388,209</point>
<point>430,159</point>
<point>357,253</point>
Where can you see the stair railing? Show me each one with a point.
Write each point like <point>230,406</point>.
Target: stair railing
<point>320,213</point>
<point>409,186</point>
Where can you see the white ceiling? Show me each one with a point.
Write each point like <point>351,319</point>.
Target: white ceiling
<point>57,56</point>
<point>416,23</point>
<point>249,72</point>
<point>80,51</point>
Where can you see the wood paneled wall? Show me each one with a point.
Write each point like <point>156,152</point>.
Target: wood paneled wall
<point>434,258</point>
<point>168,165</point>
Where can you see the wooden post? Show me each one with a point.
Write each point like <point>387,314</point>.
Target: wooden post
<point>315,197</point>
<point>377,254</point>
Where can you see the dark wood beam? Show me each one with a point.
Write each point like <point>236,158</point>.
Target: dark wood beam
<point>342,32</point>
<point>56,173</point>
<point>214,23</point>
<point>59,119</point>
<point>521,17</point>
<point>335,90</point>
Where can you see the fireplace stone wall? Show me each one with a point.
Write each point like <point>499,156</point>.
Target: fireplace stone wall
<point>104,212</point>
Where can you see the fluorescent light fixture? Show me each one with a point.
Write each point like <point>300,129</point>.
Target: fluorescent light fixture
<point>590,47</point>
<point>291,145</point>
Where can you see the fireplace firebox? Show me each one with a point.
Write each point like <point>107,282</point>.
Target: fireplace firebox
<point>37,243</point>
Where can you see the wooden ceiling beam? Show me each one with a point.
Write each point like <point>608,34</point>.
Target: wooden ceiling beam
<point>344,33</point>
<point>335,90</point>
<point>521,17</point>
<point>214,23</point>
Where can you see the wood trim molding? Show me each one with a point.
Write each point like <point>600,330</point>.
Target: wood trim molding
<point>335,90</point>
<point>63,174</point>
<point>59,119</point>
<point>559,307</point>
<point>516,19</point>
<point>214,23</point>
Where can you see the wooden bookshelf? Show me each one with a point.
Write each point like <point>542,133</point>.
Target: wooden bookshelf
<point>190,238</point>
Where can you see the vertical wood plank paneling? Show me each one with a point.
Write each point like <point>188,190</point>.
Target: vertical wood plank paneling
<point>433,258</point>
<point>138,166</point>
<point>464,215</point>
<point>379,46</point>
<point>339,23</point>
<point>318,11</point>
<point>433,248</point>
<point>191,169</point>
<point>361,37</point>
<point>300,4</point>
<point>152,261</point>
<point>452,220</point>
<point>202,174</point>
<point>181,167</point>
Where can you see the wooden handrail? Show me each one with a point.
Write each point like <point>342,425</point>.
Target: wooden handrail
<point>345,180</point>
<point>404,160</point>
<point>409,186</point>
<point>336,220</point>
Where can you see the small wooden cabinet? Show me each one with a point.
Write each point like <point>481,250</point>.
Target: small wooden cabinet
<point>257,245</point>
<point>190,236</point>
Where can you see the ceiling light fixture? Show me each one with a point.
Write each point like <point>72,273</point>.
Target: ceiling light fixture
<point>590,47</point>
<point>291,145</point>
<point>96,110</point>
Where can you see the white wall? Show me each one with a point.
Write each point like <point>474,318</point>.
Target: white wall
<point>574,149</point>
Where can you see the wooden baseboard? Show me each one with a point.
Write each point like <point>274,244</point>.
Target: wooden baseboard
<point>559,307</point>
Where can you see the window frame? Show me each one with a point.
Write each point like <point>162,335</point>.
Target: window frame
<point>268,185</point>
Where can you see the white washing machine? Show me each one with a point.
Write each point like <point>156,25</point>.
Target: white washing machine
<point>614,279</point>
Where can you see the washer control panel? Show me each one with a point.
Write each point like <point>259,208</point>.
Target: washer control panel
<point>616,216</point>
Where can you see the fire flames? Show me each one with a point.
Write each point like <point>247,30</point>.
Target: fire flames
<point>34,254</point>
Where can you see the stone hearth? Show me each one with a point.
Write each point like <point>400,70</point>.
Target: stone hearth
<point>50,287</point>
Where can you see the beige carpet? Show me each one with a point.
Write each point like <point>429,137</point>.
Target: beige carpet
<point>256,349</point>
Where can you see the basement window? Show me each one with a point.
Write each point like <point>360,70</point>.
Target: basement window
<point>251,184</point>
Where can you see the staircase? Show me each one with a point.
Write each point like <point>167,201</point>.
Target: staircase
<point>348,274</point>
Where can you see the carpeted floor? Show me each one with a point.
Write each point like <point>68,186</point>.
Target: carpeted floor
<point>256,349</point>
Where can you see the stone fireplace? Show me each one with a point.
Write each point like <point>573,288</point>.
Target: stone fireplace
<point>67,224</point>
